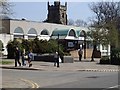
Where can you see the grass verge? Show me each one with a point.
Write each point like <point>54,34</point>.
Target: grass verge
<point>6,62</point>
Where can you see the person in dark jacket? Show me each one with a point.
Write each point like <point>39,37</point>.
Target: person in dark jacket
<point>17,57</point>
<point>23,59</point>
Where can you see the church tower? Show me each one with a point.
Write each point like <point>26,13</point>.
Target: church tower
<point>57,13</point>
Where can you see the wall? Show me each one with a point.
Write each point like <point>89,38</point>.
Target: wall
<point>74,53</point>
<point>104,51</point>
<point>27,25</point>
<point>6,26</point>
<point>5,38</point>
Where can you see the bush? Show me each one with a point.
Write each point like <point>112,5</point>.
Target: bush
<point>105,60</point>
<point>115,56</point>
<point>11,48</point>
<point>26,44</point>
<point>37,46</point>
<point>1,45</point>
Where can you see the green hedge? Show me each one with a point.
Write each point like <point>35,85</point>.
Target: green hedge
<point>11,48</point>
<point>1,45</point>
<point>115,56</point>
<point>113,59</point>
<point>37,46</point>
<point>105,60</point>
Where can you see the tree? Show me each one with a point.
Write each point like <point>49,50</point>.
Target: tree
<point>106,22</point>
<point>11,48</point>
<point>79,22</point>
<point>1,45</point>
<point>70,22</point>
<point>5,8</point>
<point>1,48</point>
<point>98,36</point>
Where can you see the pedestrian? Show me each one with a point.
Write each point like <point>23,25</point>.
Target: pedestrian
<point>30,58</point>
<point>17,56</point>
<point>55,58</point>
<point>23,57</point>
<point>80,52</point>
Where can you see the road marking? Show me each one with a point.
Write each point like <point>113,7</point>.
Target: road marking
<point>117,86</point>
<point>34,85</point>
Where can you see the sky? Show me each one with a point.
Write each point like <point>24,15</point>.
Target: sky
<point>36,10</point>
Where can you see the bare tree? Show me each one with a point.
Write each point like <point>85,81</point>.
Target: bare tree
<point>107,18</point>
<point>5,8</point>
<point>79,22</point>
<point>70,22</point>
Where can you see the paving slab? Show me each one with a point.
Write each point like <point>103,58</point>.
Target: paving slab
<point>84,65</point>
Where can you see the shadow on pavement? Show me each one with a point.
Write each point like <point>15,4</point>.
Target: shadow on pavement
<point>20,68</point>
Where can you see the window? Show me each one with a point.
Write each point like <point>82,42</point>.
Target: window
<point>32,31</point>
<point>62,15</point>
<point>19,30</point>
<point>70,44</point>
<point>104,47</point>
<point>72,33</point>
<point>44,32</point>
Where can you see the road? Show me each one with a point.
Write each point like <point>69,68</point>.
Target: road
<point>58,79</point>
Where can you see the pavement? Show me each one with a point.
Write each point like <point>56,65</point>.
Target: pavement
<point>84,65</point>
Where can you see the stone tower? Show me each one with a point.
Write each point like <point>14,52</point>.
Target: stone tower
<point>57,13</point>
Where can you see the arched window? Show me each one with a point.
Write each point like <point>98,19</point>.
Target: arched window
<point>18,33</point>
<point>45,32</point>
<point>19,30</point>
<point>82,33</point>
<point>72,33</point>
<point>32,31</point>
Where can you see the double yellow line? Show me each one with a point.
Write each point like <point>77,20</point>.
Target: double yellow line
<point>34,85</point>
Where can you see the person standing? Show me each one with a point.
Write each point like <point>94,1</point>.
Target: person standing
<point>80,52</point>
<point>17,57</point>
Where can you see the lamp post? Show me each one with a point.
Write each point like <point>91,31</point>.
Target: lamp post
<point>58,53</point>
<point>85,46</point>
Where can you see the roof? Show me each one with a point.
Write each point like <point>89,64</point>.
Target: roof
<point>61,32</point>
<point>64,33</point>
<point>78,32</point>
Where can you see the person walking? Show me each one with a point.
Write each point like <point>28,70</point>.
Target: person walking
<point>80,52</point>
<point>17,57</point>
<point>23,59</point>
<point>55,58</point>
<point>30,58</point>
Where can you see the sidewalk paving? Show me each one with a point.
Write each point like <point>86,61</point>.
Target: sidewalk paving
<point>84,65</point>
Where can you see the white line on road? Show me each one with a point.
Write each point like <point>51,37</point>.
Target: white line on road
<point>117,86</point>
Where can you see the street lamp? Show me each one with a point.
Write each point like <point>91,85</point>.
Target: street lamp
<point>58,53</point>
<point>84,45</point>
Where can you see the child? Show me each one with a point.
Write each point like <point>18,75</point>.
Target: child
<point>30,58</point>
